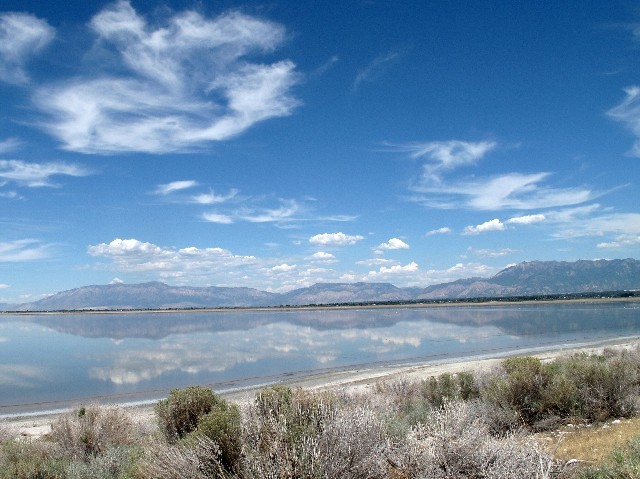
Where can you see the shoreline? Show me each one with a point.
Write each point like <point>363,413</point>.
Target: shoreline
<point>492,302</point>
<point>37,424</point>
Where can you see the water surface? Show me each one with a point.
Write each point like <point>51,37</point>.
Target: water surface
<point>53,361</point>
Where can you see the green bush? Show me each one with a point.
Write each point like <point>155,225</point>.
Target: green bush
<point>583,386</point>
<point>223,425</point>
<point>178,415</point>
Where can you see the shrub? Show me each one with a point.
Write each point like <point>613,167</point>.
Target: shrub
<point>31,460</point>
<point>92,430</point>
<point>456,442</point>
<point>223,425</point>
<point>198,460</point>
<point>178,415</point>
<point>118,462</point>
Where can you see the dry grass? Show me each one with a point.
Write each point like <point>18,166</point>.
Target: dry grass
<point>592,443</point>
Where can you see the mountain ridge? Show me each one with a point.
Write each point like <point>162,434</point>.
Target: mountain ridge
<point>527,278</point>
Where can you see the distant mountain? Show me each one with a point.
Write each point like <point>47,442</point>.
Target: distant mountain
<point>544,277</point>
<point>335,293</point>
<point>154,295</point>
<point>530,278</point>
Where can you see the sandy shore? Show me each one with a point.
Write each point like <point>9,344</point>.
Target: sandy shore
<point>351,381</point>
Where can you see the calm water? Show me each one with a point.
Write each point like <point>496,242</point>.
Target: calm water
<point>52,361</point>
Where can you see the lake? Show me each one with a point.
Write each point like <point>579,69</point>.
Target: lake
<point>52,361</point>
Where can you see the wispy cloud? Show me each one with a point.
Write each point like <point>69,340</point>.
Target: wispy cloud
<point>335,239</point>
<point>490,253</point>
<point>628,112</point>
<point>211,198</point>
<point>38,174</point>
<point>21,36</point>
<point>10,144</point>
<point>445,155</point>
<point>24,250</point>
<point>174,186</point>
<point>374,69</point>
<point>507,191</point>
<point>188,82</point>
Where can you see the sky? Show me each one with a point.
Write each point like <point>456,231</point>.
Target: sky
<point>279,144</point>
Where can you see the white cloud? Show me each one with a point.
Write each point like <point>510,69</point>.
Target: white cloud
<point>283,268</point>
<point>628,112</point>
<point>21,36</point>
<point>211,198</point>
<point>449,154</point>
<point>621,242</point>
<point>392,244</point>
<point>37,174</point>
<point>174,186</point>
<point>440,231</point>
<point>134,256</point>
<point>10,144</point>
<point>217,218</point>
<point>396,270</point>
<point>116,281</point>
<point>322,257</point>
<point>4,286</point>
<point>184,84</point>
<point>492,225</point>
<point>375,68</point>
<point>335,239</point>
<point>511,190</point>
<point>286,212</point>
<point>526,220</point>
<point>23,250</point>
<point>375,261</point>
<point>490,253</point>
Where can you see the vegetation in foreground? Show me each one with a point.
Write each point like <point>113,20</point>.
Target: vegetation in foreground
<point>451,426</point>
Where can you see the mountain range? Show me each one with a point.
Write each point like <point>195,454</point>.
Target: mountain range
<point>523,279</point>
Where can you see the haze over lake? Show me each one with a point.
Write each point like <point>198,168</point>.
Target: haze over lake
<point>52,361</point>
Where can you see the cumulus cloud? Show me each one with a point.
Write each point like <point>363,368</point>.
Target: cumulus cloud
<point>440,231</point>
<point>396,270</point>
<point>335,239</point>
<point>23,250</point>
<point>37,174</point>
<point>526,220</point>
<point>322,257</point>
<point>392,244</point>
<point>132,255</point>
<point>21,36</point>
<point>283,268</point>
<point>183,84</point>
<point>492,225</point>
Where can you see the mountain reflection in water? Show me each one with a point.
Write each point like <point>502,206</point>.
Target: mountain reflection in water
<point>58,358</point>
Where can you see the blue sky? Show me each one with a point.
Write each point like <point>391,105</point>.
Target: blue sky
<point>279,144</point>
